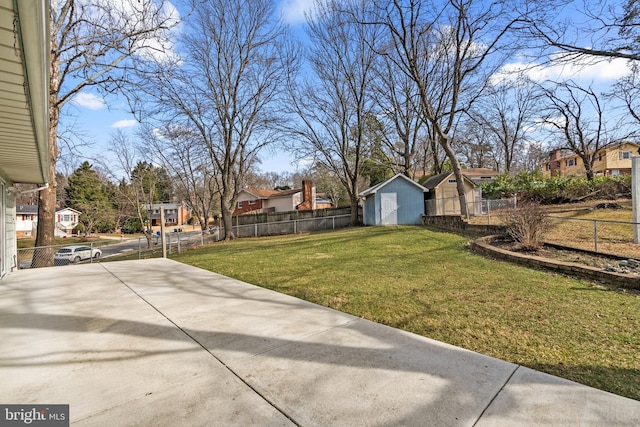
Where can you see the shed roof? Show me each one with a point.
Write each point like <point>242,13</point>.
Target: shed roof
<point>436,180</point>
<point>375,188</point>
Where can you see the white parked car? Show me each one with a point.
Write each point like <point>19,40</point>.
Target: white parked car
<point>75,254</point>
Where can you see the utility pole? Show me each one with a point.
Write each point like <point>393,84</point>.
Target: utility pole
<point>163,236</point>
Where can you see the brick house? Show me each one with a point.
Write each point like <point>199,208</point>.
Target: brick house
<point>261,201</point>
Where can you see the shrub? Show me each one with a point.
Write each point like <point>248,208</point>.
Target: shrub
<point>132,225</point>
<point>558,189</point>
<point>526,225</point>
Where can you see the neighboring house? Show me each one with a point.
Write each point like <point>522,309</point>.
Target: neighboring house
<point>27,221</point>
<point>396,201</point>
<point>443,195</point>
<point>24,111</point>
<point>480,175</point>
<point>174,213</point>
<point>609,161</point>
<point>66,221</point>
<point>252,200</point>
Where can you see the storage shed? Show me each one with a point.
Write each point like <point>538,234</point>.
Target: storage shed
<point>396,201</point>
<point>443,194</point>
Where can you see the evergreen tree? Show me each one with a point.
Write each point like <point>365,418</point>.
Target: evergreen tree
<point>87,192</point>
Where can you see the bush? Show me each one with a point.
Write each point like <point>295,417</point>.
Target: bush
<point>557,189</point>
<point>131,226</point>
<point>526,225</point>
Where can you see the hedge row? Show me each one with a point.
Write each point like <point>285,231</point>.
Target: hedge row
<point>533,186</point>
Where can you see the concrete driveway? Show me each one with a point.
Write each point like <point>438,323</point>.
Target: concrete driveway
<point>159,343</point>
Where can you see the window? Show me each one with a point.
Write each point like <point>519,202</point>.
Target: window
<point>548,167</point>
<point>625,155</point>
<point>67,218</point>
<point>452,181</point>
<point>252,202</point>
<point>239,205</point>
<point>570,162</point>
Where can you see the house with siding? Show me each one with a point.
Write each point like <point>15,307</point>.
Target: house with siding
<point>254,200</point>
<point>174,213</point>
<point>24,111</point>
<point>396,201</point>
<point>612,160</point>
<point>27,221</point>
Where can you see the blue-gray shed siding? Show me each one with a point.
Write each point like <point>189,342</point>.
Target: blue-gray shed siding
<point>410,203</point>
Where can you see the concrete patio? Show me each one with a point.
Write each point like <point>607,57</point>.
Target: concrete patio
<point>159,343</point>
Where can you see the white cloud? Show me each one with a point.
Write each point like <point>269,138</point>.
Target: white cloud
<point>161,48</point>
<point>89,100</point>
<point>293,11</point>
<point>120,124</point>
<point>560,69</point>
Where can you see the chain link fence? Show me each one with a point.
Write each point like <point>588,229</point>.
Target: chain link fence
<point>59,255</point>
<point>597,235</point>
<point>176,241</point>
<point>483,211</point>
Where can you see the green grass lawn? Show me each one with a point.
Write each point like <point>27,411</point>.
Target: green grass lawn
<point>429,283</point>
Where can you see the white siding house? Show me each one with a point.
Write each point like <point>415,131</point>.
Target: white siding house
<point>24,110</point>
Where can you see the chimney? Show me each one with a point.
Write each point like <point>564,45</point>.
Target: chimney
<point>308,198</point>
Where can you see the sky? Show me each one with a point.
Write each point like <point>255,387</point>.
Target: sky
<point>97,118</point>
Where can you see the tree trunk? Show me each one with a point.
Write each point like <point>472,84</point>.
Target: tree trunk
<point>45,232</point>
<point>355,218</point>
<point>445,141</point>
<point>226,209</point>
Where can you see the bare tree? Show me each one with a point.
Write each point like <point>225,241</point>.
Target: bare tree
<point>333,109</point>
<point>472,142</point>
<point>92,42</point>
<point>603,29</point>
<point>445,48</point>
<point>507,111</point>
<point>627,90</point>
<point>195,177</point>
<point>404,127</point>
<point>131,191</point>
<point>224,89</point>
<point>577,118</point>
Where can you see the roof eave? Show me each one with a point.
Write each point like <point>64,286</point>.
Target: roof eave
<point>33,19</point>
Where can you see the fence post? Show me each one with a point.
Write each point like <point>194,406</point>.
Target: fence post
<point>295,226</point>
<point>488,212</point>
<point>255,229</point>
<point>179,242</point>
<point>333,221</point>
<point>595,236</point>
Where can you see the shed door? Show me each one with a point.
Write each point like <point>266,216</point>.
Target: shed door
<point>389,209</point>
<point>451,202</point>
